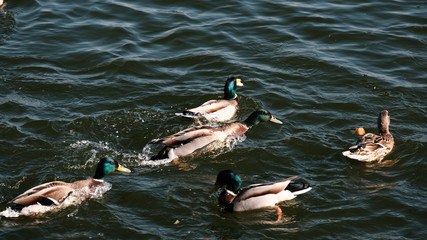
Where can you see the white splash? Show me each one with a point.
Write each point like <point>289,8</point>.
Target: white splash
<point>77,197</point>
<point>144,159</point>
<point>86,143</point>
<point>232,142</point>
<point>9,213</point>
<point>154,163</point>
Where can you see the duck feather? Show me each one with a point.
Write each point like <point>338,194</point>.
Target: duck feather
<point>56,192</point>
<point>255,190</point>
<point>192,139</point>
<point>213,106</point>
<point>214,110</point>
<point>264,195</point>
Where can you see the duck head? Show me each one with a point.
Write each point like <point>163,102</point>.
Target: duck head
<point>383,122</point>
<point>260,115</point>
<point>106,166</point>
<point>229,179</point>
<point>230,87</point>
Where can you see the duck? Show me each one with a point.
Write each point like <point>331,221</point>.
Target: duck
<point>220,110</point>
<point>54,193</point>
<point>192,139</point>
<point>234,198</point>
<point>373,147</point>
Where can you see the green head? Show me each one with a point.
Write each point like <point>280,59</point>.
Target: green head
<point>260,115</point>
<point>229,179</point>
<point>230,88</point>
<point>106,166</point>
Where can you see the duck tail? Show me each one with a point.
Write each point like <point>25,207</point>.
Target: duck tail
<point>13,206</point>
<point>163,154</point>
<point>298,188</point>
<point>353,155</point>
<point>17,207</point>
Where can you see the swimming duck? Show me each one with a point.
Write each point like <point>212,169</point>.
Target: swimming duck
<point>54,193</point>
<point>189,140</point>
<point>255,196</point>
<point>218,110</point>
<point>372,147</point>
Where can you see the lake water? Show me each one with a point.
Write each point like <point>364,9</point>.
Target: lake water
<point>80,80</point>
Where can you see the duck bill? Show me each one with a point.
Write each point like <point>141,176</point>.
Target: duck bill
<point>275,120</point>
<point>123,169</point>
<point>215,188</point>
<point>360,131</point>
<point>239,82</point>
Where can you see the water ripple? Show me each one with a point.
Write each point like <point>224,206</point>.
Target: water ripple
<point>83,80</point>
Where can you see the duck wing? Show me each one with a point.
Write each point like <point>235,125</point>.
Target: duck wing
<point>185,136</point>
<point>370,147</point>
<point>194,144</point>
<point>190,140</point>
<point>212,106</point>
<point>372,142</point>
<point>189,143</point>
<point>213,110</point>
<point>263,195</point>
<point>45,194</point>
<point>256,190</point>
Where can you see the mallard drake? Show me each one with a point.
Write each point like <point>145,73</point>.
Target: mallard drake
<point>189,140</point>
<point>255,196</point>
<point>218,110</point>
<point>372,147</point>
<point>54,193</point>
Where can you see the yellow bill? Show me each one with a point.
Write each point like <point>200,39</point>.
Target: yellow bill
<point>123,169</point>
<point>239,82</point>
<point>275,120</point>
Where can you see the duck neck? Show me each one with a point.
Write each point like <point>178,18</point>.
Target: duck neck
<point>383,123</point>
<point>98,177</point>
<point>383,129</point>
<point>252,120</point>
<point>99,173</point>
<point>230,91</point>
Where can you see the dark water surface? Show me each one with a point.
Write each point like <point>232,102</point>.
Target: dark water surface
<point>83,79</point>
